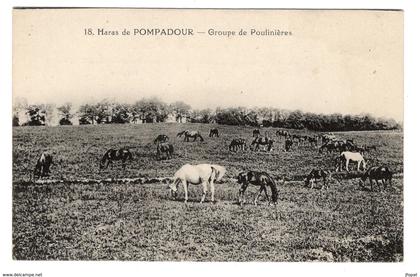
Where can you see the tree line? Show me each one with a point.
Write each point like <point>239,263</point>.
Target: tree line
<point>154,110</point>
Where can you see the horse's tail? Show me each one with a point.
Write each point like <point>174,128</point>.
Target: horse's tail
<point>274,191</point>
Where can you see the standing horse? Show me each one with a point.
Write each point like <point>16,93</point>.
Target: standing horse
<point>214,132</point>
<point>160,139</point>
<point>237,144</point>
<point>346,157</point>
<point>190,134</point>
<point>205,174</point>
<point>282,133</point>
<point>163,149</point>
<point>256,133</point>
<point>377,173</point>
<point>122,154</point>
<point>259,141</point>
<point>317,174</point>
<point>288,144</point>
<point>42,167</point>
<point>261,179</point>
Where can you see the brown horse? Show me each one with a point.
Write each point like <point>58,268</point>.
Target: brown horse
<point>260,141</point>
<point>164,150</point>
<point>214,132</point>
<point>237,144</point>
<point>122,154</point>
<point>160,139</point>
<point>43,164</point>
<point>316,174</point>
<point>377,173</point>
<point>261,179</point>
<point>190,134</point>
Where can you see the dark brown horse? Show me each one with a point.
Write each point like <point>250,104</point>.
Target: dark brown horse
<point>262,141</point>
<point>256,133</point>
<point>214,132</point>
<point>190,135</point>
<point>43,164</point>
<point>161,138</point>
<point>288,144</point>
<point>317,174</point>
<point>122,154</point>
<point>282,133</point>
<point>261,179</point>
<point>377,173</point>
<point>237,144</point>
<point>164,150</point>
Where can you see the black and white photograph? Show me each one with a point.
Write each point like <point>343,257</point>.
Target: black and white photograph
<point>207,135</point>
<point>263,139</point>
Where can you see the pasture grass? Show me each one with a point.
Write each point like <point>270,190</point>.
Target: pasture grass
<point>103,221</point>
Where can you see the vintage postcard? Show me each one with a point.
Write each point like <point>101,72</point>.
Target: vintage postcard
<point>231,135</point>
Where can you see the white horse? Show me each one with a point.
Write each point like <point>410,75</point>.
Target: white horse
<point>348,156</point>
<point>205,174</point>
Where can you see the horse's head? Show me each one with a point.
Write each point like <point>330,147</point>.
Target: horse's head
<point>173,186</point>
<point>242,178</point>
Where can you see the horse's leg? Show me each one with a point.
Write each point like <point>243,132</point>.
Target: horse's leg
<point>258,195</point>
<point>212,190</point>
<point>242,193</point>
<point>204,192</point>
<point>266,195</point>
<point>347,165</point>
<point>185,184</point>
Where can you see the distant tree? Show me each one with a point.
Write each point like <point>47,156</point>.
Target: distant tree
<point>151,110</point>
<point>295,120</point>
<point>36,114</point>
<point>103,111</point>
<point>19,105</point>
<point>181,109</point>
<point>87,114</point>
<point>121,113</point>
<point>15,120</point>
<point>65,114</point>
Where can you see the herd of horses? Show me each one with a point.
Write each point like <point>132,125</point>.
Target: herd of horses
<point>208,174</point>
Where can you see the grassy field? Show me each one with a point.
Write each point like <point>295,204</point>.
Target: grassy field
<point>74,220</point>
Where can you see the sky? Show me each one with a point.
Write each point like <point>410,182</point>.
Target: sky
<point>348,62</point>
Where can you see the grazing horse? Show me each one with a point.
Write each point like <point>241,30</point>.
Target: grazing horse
<point>282,133</point>
<point>237,144</point>
<point>346,157</point>
<point>317,174</point>
<point>42,167</point>
<point>190,134</point>
<point>163,149</point>
<point>214,132</point>
<point>377,173</point>
<point>330,147</point>
<point>370,147</point>
<point>161,138</point>
<point>312,141</point>
<point>256,133</point>
<point>261,179</point>
<point>259,141</point>
<point>288,144</point>
<point>327,137</point>
<point>122,154</point>
<point>205,174</point>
